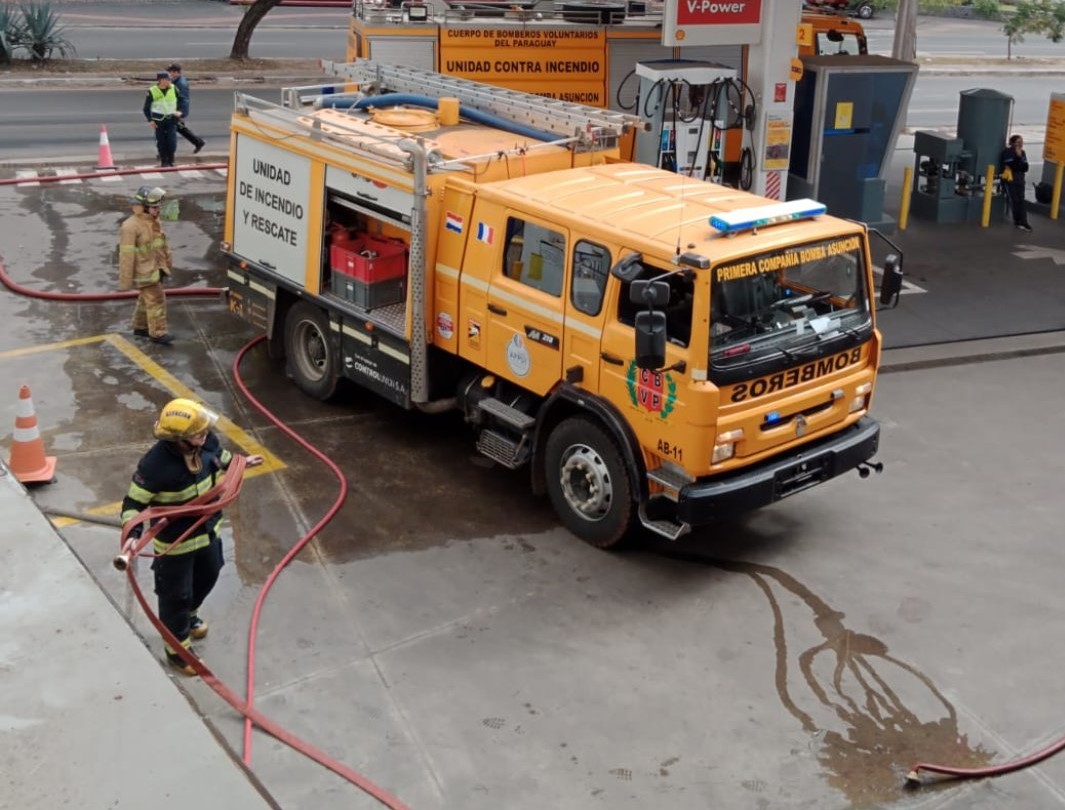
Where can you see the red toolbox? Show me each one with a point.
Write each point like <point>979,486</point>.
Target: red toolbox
<point>369,260</point>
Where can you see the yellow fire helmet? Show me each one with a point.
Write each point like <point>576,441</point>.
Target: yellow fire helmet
<point>182,419</point>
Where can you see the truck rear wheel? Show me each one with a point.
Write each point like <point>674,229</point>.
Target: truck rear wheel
<point>587,482</point>
<point>311,360</point>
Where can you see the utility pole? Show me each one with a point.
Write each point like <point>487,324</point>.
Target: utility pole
<point>905,44</point>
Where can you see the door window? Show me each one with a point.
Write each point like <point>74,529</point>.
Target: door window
<point>678,311</point>
<point>591,268</point>
<point>535,256</point>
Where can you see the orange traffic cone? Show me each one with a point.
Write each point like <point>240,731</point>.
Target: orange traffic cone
<point>28,461</point>
<point>105,161</point>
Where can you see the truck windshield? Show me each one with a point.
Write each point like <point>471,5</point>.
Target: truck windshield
<point>772,310</point>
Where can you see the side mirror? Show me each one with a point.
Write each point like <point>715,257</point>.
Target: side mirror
<point>649,293</point>
<point>891,285</point>
<point>650,339</point>
<point>628,267</point>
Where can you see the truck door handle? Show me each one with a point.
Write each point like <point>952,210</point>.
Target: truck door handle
<point>498,310</point>
<point>613,359</point>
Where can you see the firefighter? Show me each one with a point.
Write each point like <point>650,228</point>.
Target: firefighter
<point>187,461</point>
<point>144,261</point>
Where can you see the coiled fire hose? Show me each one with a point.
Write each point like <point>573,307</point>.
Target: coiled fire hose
<point>204,507</point>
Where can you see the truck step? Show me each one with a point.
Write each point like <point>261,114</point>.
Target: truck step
<point>669,529</point>
<point>503,449</point>
<point>519,420</point>
<point>671,480</point>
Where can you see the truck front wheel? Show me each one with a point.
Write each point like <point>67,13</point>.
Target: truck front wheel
<point>311,360</point>
<point>587,482</point>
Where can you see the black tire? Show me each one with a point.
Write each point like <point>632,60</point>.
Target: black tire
<point>309,351</point>
<point>587,482</point>
<point>865,11</point>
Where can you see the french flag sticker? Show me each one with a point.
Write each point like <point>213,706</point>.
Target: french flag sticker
<point>453,222</point>
<point>485,233</point>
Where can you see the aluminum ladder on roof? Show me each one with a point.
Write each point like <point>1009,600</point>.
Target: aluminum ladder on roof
<point>594,127</point>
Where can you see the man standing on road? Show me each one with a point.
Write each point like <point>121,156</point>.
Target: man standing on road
<point>144,259</point>
<point>181,84</point>
<point>187,461</point>
<point>161,110</point>
<point>1014,168</point>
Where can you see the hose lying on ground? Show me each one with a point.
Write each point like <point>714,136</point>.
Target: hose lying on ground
<point>203,507</point>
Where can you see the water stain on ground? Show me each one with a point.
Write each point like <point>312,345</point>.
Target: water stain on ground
<point>870,715</point>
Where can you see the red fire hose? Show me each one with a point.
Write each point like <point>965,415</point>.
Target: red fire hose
<point>56,178</point>
<point>913,778</point>
<point>203,507</point>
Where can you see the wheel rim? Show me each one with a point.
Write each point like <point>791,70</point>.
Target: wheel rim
<point>586,483</point>
<point>313,356</point>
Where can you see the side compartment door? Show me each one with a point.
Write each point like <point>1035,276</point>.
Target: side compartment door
<point>526,300</point>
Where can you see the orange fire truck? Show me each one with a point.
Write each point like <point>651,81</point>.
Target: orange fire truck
<point>656,350</point>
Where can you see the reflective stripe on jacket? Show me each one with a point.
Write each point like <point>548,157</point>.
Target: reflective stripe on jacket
<point>164,102</point>
<point>163,479</point>
<point>142,251</point>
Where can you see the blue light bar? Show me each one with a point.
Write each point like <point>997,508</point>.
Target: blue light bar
<point>746,219</point>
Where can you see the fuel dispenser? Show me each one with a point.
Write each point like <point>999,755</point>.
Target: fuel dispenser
<point>948,176</point>
<point>848,113</point>
<point>687,105</point>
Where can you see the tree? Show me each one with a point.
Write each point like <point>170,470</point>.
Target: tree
<point>1046,17</point>
<point>253,15</point>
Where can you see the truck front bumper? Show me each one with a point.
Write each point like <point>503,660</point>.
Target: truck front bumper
<point>754,487</point>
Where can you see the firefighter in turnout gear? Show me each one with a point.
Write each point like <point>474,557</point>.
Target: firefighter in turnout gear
<point>144,260</point>
<point>187,461</point>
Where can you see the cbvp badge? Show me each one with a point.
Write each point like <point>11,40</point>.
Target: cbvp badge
<point>518,356</point>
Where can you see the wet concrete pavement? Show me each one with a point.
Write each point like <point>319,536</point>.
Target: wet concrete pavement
<point>446,638</point>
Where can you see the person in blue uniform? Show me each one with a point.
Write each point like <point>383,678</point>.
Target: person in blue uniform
<point>1014,162</point>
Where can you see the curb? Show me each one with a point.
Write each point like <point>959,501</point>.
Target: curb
<point>238,79</point>
<point>982,350</point>
<point>106,80</point>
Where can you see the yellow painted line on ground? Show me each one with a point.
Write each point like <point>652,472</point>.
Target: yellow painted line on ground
<point>51,347</point>
<point>237,435</point>
<point>107,510</point>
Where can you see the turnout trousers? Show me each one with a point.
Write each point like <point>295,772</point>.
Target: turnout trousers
<point>182,582</point>
<point>150,311</point>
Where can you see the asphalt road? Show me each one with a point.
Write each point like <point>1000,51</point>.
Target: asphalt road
<point>37,124</point>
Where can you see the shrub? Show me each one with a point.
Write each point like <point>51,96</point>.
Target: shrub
<point>988,9</point>
<point>10,32</point>
<point>42,35</point>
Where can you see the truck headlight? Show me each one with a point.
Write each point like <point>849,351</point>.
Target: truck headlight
<point>861,397</point>
<point>725,445</point>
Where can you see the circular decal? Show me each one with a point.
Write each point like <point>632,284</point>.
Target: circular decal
<point>518,356</point>
<point>445,326</point>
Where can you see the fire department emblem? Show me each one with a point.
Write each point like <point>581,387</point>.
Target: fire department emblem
<point>654,391</point>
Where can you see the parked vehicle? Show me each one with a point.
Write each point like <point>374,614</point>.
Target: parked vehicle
<point>656,350</point>
<point>864,9</point>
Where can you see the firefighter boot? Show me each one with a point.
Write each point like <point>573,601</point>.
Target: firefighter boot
<point>197,628</point>
<point>179,663</point>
